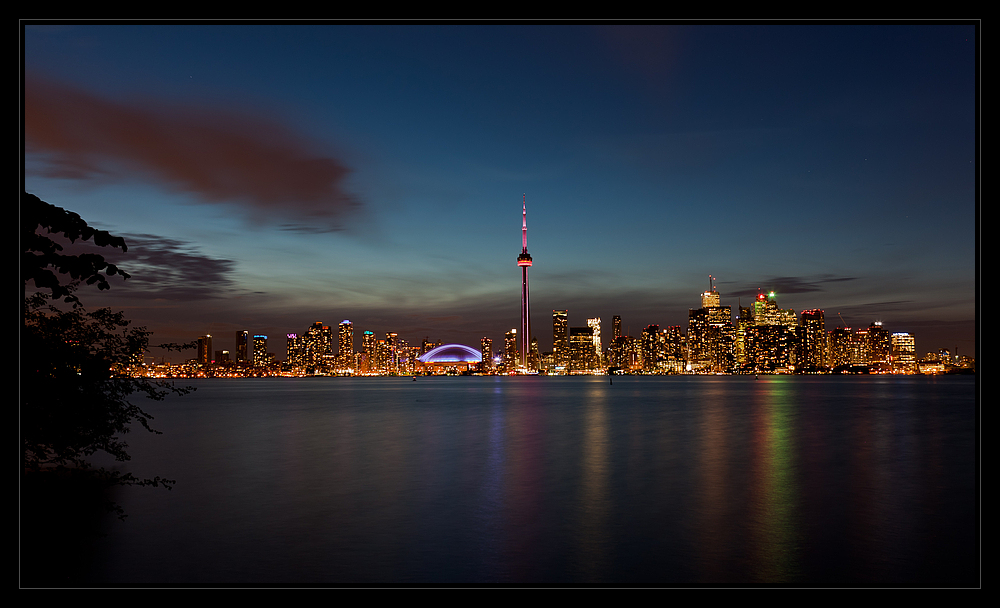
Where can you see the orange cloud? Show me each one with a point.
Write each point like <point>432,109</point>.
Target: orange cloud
<point>219,157</point>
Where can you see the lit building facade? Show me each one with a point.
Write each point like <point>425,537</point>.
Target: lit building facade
<point>345,341</point>
<point>260,358</point>
<point>560,339</point>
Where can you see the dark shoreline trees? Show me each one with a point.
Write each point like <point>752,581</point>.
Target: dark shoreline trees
<point>75,391</point>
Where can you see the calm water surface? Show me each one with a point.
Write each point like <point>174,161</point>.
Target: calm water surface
<point>652,480</point>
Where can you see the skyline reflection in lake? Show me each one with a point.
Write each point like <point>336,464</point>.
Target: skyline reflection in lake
<point>687,480</point>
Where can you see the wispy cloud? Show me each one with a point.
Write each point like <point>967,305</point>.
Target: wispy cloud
<point>218,156</point>
<point>787,285</point>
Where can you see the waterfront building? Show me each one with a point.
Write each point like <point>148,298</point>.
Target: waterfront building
<point>812,340</point>
<point>295,352</point>
<point>345,355</point>
<point>583,359</point>
<point>595,324</point>
<point>368,352</point>
<point>560,338</point>
<point>649,348</point>
<point>242,346</point>
<point>205,350</point>
<point>486,355</point>
<point>449,359</point>
<point>260,358</point>
<point>879,344</point>
<point>510,351</point>
<point>904,353</point>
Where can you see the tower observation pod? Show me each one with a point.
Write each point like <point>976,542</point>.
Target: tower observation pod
<point>524,261</point>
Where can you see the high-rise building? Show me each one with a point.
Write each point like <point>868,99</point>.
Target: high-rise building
<point>242,346</point>
<point>369,346</point>
<point>295,351</point>
<point>649,348</point>
<point>345,339</point>
<point>560,338</point>
<point>510,352</point>
<point>582,358</point>
<point>524,262</point>
<point>595,324</point>
<point>318,346</point>
<point>260,351</point>
<point>812,343</point>
<point>904,353</point>
<point>879,344</point>
<point>486,352</point>
<point>205,350</point>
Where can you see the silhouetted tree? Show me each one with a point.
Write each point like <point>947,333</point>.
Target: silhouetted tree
<point>75,389</point>
<point>40,255</point>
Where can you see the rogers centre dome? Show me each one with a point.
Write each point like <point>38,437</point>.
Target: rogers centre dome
<point>451,353</point>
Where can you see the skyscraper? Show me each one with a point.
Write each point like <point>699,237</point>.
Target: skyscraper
<point>260,351</point>
<point>560,338</point>
<point>595,324</point>
<point>524,262</point>
<point>345,355</point>
<point>242,346</point>
<point>486,352</point>
<point>205,350</point>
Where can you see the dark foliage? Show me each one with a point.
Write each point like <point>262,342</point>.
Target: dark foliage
<point>41,255</point>
<point>75,389</point>
<point>75,392</point>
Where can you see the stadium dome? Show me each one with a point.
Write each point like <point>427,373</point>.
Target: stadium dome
<point>451,353</point>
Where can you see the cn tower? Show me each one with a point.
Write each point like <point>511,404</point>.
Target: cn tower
<point>524,261</point>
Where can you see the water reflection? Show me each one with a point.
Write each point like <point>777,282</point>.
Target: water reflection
<point>555,480</point>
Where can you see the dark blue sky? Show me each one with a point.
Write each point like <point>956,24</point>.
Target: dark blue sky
<point>269,176</point>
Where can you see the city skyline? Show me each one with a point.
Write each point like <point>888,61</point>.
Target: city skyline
<point>382,164</point>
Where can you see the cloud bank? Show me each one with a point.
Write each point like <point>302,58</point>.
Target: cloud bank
<point>217,156</point>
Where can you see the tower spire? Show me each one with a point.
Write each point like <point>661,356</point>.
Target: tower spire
<point>524,262</point>
<point>524,224</point>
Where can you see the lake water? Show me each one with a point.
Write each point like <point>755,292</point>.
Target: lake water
<point>687,480</point>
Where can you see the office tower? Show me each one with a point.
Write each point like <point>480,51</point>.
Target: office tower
<point>318,345</point>
<point>295,352</point>
<point>879,344</point>
<point>392,348</point>
<point>205,350</point>
<point>582,358</point>
<point>368,349</point>
<point>904,353</point>
<point>616,327</point>
<point>486,351</point>
<point>524,262</point>
<point>710,298</point>
<point>560,338</point>
<point>242,346</point>
<point>534,358</point>
<point>672,345</point>
<point>649,347</point>
<point>345,355</point>
<point>595,324</point>
<point>812,344</point>
<point>510,352</point>
<point>260,351</point>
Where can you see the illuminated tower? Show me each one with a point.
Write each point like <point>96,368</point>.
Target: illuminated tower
<point>524,261</point>
<point>560,338</point>
<point>260,350</point>
<point>242,346</point>
<point>345,339</point>
<point>205,350</point>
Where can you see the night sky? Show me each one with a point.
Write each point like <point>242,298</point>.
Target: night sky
<point>269,176</point>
